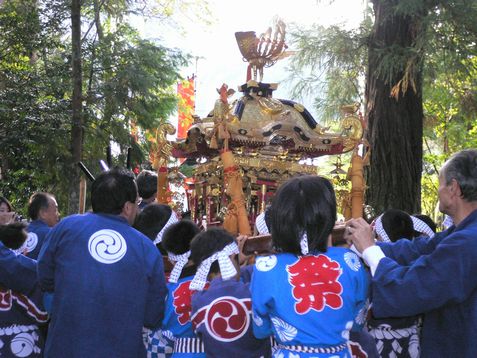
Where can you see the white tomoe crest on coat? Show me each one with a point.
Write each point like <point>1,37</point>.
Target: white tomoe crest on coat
<point>285,331</point>
<point>23,345</point>
<point>352,260</point>
<point>31,241</point>
<point>266,263</point>
<point>107,246</point>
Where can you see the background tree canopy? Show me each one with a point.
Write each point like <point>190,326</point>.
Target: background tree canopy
<point>416,60</point>
<point>126,81</point>
<point>411,64</point>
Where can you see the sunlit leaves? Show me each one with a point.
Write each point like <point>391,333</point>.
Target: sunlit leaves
<point>329,63</point>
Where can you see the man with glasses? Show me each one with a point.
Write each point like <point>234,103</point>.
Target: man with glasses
<point>107,279</point>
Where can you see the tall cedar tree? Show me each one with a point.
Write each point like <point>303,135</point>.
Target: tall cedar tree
<point>77,106</point>
<point>394,109</point>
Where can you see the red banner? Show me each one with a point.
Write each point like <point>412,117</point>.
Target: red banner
<point>186,106</point>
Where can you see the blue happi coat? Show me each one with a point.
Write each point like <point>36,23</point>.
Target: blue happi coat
<point>17,272</point>
<point>222,317</point>
<point>21,313</point>
<point>309,302</point>
<point>108,282</point>
<point>178,309</point>
<point>37,231</point>
<point>436,277</point>
<point>177,317</point>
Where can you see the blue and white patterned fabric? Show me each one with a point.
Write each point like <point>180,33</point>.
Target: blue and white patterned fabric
<point>157,345</point>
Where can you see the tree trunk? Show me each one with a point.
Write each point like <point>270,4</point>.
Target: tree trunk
<point>395,124</point>
<point>77,107</point>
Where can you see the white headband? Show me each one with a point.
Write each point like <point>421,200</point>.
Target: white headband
<point>418,225</point>
<point>181,261</point>
<point>172,219</point>
<point>261,225</point>
<point>304,244</point>
<point>378,228</point>
<point>227,268</point>
<point>422,227</point>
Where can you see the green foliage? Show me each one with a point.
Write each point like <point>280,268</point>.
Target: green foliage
<point>330,62</point>
<point>334,60</point>
<point>32,107</point>
<point>126,80</point>
<point>129,80</point>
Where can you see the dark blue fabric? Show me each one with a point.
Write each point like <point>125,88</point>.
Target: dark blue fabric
<point>362,344</point>
<point>20,314</point>
<point>99,309</point>
<point>225,302</point>
<point>17,272</point>
<point>441,283</point>
<point>40,229</point>
<point>246,273</point>
<point>20,309</point>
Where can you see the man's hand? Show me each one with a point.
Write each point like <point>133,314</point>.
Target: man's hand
<point>360,233</point>
<point>243,259</point>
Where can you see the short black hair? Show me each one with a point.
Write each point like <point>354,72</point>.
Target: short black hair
<point>111,190</point>
<point>397,224</point>
<point>38,201</point>
<point>177,237</point>
<point>207,243</point>
<point>6,202</point>
<point>152,219</point>
<point>267,218</point>
<point>13,235</point>
<point>147,184</point>
<point>305,204</point>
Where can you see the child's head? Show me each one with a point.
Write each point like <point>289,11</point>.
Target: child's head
<point>211,251</point>
<point>303,205</point>
<point>177,237</point>
<point>13,235</point>
<point>393,225</point>
<point>176,241</point>
<point>153,221</point>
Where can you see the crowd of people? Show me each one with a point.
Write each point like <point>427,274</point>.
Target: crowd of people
<point>131,278</point>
